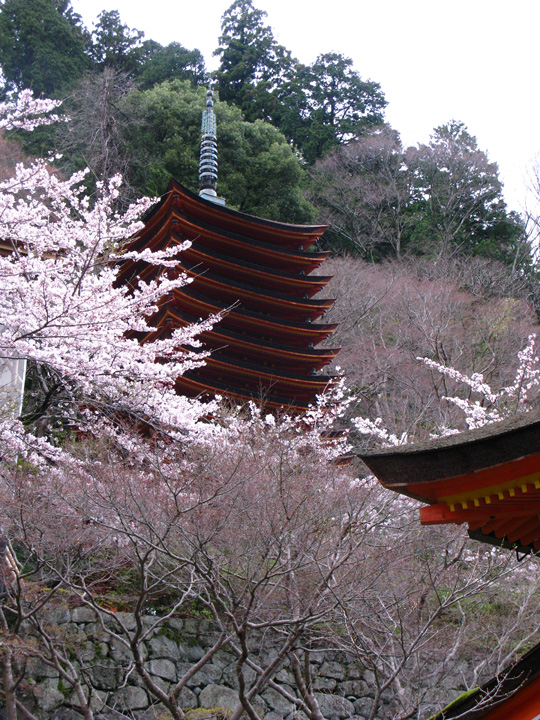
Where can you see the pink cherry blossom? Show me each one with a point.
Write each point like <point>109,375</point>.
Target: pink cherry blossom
<point>62,308</point>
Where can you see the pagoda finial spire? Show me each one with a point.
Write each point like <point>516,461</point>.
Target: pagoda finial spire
<point>208,163</point>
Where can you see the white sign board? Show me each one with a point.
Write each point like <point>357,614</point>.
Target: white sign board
<point>12,375</point>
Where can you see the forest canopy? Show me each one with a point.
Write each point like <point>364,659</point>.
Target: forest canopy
<point>296,141</point>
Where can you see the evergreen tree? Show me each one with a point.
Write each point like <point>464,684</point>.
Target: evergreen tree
<point>258,170</point>
<point>440,200</point>
<point>317,107</point>
<point>253,65</point>
<point>42,46</point>
<point>458,196</point>
<point>172,62</point>
<point>114,44</point>
<point>340,105</point>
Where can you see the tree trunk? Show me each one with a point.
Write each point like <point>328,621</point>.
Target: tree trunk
<point>9,684</point>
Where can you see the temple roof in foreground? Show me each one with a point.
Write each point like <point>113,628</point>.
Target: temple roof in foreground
<point>488,479</point>
<point>514,694</point>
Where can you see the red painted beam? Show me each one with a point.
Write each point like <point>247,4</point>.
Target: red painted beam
<point>509,525</point>
<point>526,532</point>
<point>492,525</point>
<point>440,514</point>
<point>512,470</point>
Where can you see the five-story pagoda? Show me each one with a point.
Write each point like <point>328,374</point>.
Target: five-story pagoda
<point>257,272</point>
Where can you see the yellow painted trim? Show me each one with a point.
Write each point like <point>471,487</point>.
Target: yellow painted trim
<point>509,485</point>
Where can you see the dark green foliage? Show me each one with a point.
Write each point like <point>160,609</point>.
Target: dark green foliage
<point>42,46</point>
<point>439,200</point>
<point>316,107</point>
<point>457,197</point>
<point>114,44</point>
<point>258,171</point>
<point>251,60</point>
<point>172,62</point>
<point>166,142</point>
<point>335,105</point>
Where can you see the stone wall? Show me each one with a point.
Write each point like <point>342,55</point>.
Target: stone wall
<point>343,688</point>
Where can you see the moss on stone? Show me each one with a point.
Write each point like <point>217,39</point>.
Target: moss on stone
<point>463,696</point>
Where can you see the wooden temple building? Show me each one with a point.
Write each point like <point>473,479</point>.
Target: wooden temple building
<point>512,695</point>
<point>254,271</point>
<point>489,480</point>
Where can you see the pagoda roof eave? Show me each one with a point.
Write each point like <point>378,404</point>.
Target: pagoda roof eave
<point>253,274</point>
<point>213,306</point>
<point>266,351</point>
<point>309,357</point>
<point>488,478</point>
<point>307,283</point>
<point>312,355</point>
<point>240,394</point>
<point>501,696</point>
<point>243,291</point>
<point>207,207</point>
<point>196,254</point>
<point>200,230</point>
<point>263,374</point>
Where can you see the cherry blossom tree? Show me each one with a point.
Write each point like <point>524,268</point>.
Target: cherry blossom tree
<point>257,531</point>
<point>62,309</point>
<point>393,637</point>
<point>27,112</point>
<point>247,518</point>
<point>389,315</point>
<point>266,539</point>
<point>481,404</point>
<point>494,405</point>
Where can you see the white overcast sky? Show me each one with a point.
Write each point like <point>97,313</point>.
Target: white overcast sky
<point>471,60</point>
